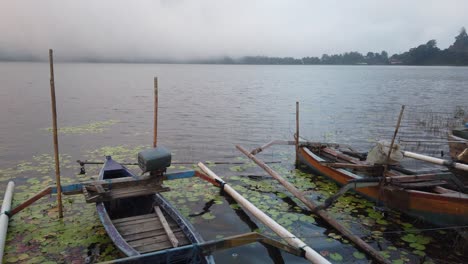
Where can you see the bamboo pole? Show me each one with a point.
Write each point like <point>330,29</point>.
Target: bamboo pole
<point>292,240</point>
<point>271,143</point>
<point>430,159</point>
<point>297,133</point>
<point>4,216</point>
<point>313,207</point>
<point>393,139</point>
<point>155,128</point>
<point>54,128</point>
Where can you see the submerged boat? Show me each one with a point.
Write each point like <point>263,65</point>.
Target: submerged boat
<point>139,220</point>
<point>438,198</point>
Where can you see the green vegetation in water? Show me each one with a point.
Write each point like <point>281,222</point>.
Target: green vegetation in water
<point>91,128</point>
<point>36,235</point>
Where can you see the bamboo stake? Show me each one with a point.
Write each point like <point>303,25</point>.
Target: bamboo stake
<point>4,216</point>
<point>393,139</point>
<point>310,254</point>
<point>54,129</point>
<point>297,133</point>
<point>312,206</point>
<point>155,138</point>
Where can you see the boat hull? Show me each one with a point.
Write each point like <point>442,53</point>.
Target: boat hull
<point>439,209</point>
<point>107,212</point>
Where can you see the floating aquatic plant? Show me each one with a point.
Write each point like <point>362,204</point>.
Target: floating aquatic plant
<point>94,127</point>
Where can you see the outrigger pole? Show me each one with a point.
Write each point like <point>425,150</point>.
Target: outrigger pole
<point>155,137</point>
<point>292,240</point>
<point>54,129</point>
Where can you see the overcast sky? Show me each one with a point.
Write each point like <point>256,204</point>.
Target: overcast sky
<point>186,29</point>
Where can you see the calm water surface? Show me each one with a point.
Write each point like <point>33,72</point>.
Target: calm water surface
<point>206,109</point>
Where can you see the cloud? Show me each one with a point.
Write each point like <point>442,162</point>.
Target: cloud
<point>179,29</point>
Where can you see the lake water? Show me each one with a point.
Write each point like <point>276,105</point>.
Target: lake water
<point>204,111</point>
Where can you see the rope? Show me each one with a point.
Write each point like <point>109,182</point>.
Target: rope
<point>7,213</point>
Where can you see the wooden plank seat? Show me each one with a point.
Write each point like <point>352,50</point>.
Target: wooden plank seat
<point>146,233</point>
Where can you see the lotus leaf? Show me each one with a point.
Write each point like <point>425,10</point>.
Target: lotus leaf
<point>359,255</point>
<point>336,256</point>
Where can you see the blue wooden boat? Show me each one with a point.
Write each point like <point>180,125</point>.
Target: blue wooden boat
<point>139,220</point>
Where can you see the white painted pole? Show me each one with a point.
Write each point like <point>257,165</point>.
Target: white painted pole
<point>4,218</point>
<point>292,240</point>
<point>430,159</point>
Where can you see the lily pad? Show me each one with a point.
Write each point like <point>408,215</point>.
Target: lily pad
<point>359,255</point>
<point>336,256</point>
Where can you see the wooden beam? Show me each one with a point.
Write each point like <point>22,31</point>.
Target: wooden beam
<point>28,202</point>
<point>167,228</point>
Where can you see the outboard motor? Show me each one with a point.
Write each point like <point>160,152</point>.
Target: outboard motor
<point>155,160</point>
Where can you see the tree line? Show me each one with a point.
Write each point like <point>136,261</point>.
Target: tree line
<point>425,54</point>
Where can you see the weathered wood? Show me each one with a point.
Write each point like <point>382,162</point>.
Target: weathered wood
<point>166,227</point>
<point>28,202</point>
<point>312,206</point>
<point>350,165</point>
<point>155,128</point>
<point>5,216</point>
<point>135,222</point>
<point>272,143</point>
<point>154,224</point>
<point>297,133</point>
<point>335,153</point>
<point>310,254</point>
<point>420,185</point>
<point>161,238</point>
<point>159,246</point>
<point>151,233</point>
<point>119,193</point>
<point>55,132</point>
<point>131,218</point>
<point>393,139</point>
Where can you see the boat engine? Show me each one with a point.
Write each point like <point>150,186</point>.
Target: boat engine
<point>155,160</point>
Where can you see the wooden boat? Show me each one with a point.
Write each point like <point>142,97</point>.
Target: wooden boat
<point>431,197</point>
<point>140,221</point>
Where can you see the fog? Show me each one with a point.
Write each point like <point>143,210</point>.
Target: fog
<point>183,29</point>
